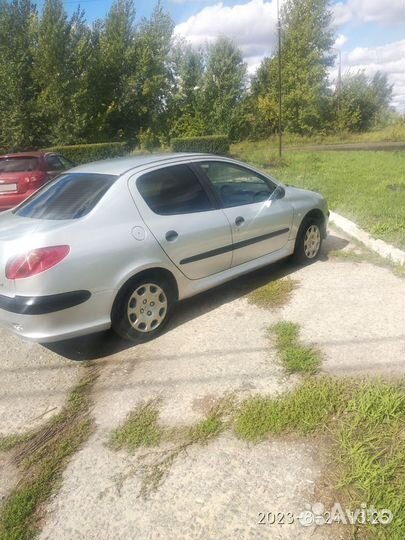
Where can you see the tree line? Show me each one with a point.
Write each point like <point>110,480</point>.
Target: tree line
<point>63,81</point>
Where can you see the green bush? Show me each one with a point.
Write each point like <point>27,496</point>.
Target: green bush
<point>148,140</point>
<point>214,144</point>
<point>84,153</point>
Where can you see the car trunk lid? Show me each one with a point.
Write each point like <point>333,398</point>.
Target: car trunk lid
<point>20,182</point>
<point>19,234</point>
<point>18,174</point>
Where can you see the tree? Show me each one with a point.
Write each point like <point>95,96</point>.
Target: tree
<point>224,84</point>
<point>362,101</point>
<point>185,97</point>
<point>264,93</point>
<point>305,46</point>
<point>306,41</point>
<point>152,78</point>
<point>115,68</point>
<point>83,61</point>
<point>18,123</point>
<point>53,72</point>
<point>208,90</point>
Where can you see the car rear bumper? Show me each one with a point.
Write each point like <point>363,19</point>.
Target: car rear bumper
<point>56,317</point>
<point>41,305</point>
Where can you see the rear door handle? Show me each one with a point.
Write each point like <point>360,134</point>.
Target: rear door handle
<point>239,220</point>
<point>171,236</point>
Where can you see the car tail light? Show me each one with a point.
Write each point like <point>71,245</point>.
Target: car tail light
<point>35,179</point>
<point>35,261</point>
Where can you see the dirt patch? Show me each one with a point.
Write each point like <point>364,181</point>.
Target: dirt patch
<point>203,405</point>
<point>35,383</point>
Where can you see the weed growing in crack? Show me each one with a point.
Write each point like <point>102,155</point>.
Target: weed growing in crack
<point>275,294</point>
<point>141,428</point>
<point>155,465</point>
<point>295,357</point>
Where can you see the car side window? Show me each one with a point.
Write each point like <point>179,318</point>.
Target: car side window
<point>173,190</point>
<point>236,185</point>
<point>65,162</point>
<point>53,163</point>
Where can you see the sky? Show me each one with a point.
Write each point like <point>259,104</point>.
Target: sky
<point>370,33</point>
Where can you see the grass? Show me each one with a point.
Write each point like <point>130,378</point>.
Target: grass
<point>8,442</point>
<point>366,424</point>
<point>295,357</point>
<point>366,187</point>
<point>275,294</point>
<point>371,445</point>
<point>41,458</point>
<point>305,410</point>
<point>214,423</point>
<point>392,133</point>
<point>141,428</point>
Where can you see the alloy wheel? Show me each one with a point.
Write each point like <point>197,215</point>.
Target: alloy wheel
<point>312,241</point>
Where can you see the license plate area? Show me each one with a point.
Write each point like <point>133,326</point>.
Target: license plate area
<point>6,188</point>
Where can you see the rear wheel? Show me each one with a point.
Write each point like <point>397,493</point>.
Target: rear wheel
<point>142,308</point>
<point>309,242</point>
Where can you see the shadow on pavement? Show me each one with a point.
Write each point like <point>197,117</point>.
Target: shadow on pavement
<point>104,344</point>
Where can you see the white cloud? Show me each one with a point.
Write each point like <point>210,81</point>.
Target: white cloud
<point>188,1</point>
<point>340,41</point>
<point>252,26</point>
<point>342,14</point>
<point>365,11</point>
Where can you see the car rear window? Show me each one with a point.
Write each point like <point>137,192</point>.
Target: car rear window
<point>18,164</point>
<point>70,196</point>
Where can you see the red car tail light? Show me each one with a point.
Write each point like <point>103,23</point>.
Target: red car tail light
<point>35,261</point>
<point>35,179</point>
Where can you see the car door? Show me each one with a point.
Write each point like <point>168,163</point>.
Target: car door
<point>260,220</point>
<point>185,219</point>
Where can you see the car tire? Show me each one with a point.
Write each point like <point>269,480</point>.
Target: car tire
<point>142,308</point>
<point>309,242</point>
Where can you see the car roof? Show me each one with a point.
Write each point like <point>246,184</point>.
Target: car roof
<point>122,165</point>
<point>25,154</point>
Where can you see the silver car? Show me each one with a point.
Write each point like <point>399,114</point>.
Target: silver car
<point>117,243</point>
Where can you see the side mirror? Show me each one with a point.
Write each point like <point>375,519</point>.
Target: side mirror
<point>279,192</point>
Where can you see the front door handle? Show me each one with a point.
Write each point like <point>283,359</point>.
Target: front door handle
<point>239,220</point>
<point>171,236</point>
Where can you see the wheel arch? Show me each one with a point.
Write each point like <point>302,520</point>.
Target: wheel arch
<point>157,272</point>
<point>318,216</point>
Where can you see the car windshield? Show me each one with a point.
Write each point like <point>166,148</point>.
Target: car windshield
<point>18,164</point>
<point>70,196</point>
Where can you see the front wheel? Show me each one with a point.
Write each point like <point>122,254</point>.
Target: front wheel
<point>309,242</point>
<point>142,309</point>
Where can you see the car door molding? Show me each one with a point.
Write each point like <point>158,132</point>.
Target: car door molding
<point>231,247</point>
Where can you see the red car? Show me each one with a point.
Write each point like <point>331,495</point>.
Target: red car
<point>23,173</point>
